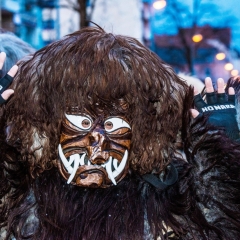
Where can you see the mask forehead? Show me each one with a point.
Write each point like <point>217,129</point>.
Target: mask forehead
<point>101,108</point>
<point>94,148</point>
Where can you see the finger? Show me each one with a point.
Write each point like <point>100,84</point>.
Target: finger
<point>194,113</point>
<point>12,72</point>
<point>209,85</point>
<point>6,94</point>
<point>231,96</point>
<point>198,102</point>
<point>2,59</point>
<point>220,85</point>
<point>231,91</point>
<point>196,92</point>
<point>221,96</point>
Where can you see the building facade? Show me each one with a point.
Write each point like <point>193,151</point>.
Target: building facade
<point>40,22</point>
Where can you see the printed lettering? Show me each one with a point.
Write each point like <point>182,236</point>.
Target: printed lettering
<point>1,87</point>
<point>204,109</point>
<point>217,107</point>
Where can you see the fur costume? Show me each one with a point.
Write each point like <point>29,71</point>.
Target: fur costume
<point>109,75</point>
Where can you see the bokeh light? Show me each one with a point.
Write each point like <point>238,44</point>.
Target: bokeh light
<point>228,66</point>
<point>197,38</point>
<point>159,4</point>
<point>220,56</point>
<point>234,72</point>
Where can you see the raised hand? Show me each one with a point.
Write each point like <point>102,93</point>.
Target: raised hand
<point>6,80</point>
<point>219,107</point>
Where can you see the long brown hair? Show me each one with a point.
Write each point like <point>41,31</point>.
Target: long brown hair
<point>89,67</point>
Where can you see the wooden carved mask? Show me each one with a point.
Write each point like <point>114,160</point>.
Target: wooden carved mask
<point>93,151</point>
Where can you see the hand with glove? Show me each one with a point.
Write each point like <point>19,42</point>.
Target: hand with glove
<point>219,107</point>
<point>6,80</point>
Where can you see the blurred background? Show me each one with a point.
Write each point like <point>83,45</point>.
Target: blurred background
<point>200,38</point>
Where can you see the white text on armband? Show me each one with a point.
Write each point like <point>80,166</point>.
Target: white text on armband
<point>217,107</point>
<point>1,87</point>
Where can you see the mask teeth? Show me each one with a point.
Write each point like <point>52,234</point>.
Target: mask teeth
<point>118,167</point>
<point>76,164</point>
<point>82,159</point>
<point>115,163</point>
<point>109,170</point>
<point>112,166</point>
<point>122,165</point>
<point>64,160</point>
<point>71,160</point>
<point>86,161</point>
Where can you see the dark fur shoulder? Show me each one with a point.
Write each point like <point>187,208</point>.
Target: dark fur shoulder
<point>216,181</point>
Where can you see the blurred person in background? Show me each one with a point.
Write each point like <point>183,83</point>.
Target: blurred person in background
<point>15,49</point>
<point>12,49</point>
<point>192,81</point>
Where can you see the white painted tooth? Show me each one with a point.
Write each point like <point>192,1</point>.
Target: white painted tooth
<point>82,159</point>
<point>71,160</point>
<point>115,163</point>
<point>89,163</point>
<point>121,166</point>
<point>76,165</point>
<point>64,160</point>
<point>109,170</point>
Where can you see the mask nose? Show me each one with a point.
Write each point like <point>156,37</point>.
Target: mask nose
<point>98,161</point>
<point>97,137</point>
<point>98,145</point>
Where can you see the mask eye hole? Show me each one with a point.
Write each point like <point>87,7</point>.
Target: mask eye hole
<point>81,121</point>
<point>108,125</point>
<point>114,123</point>
<point>86,123</point>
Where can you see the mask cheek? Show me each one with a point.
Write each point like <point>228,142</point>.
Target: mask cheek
<point>117,156</point>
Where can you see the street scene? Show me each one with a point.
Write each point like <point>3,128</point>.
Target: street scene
<point>119,120</point>
<point>198,38</point>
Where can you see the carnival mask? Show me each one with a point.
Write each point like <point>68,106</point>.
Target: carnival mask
<point>94,152</point>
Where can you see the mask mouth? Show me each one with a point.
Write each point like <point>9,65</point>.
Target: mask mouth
<point>74,161</point>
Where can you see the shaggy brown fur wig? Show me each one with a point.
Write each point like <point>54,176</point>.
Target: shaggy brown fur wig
<point>91,69</point>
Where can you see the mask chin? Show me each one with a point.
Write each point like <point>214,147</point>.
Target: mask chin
<point>78,170</point>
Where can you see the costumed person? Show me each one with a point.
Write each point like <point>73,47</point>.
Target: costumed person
<point>88,147</point>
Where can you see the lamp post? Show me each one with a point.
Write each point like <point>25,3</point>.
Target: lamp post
<point>196,38</point>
